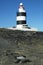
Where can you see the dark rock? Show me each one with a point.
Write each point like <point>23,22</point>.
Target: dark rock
<point>16,43</point>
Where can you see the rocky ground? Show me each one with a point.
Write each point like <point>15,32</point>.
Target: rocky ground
<point>16,43</point>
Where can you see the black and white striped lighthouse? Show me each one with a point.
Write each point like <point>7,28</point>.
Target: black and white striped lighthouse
<point>21,16</point>
<point>21,20</point>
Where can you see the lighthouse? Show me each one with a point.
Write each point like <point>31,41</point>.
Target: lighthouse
<point>21,17</point>
<point>21,20</point>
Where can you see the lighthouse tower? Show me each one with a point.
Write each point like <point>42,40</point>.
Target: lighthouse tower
<point>21,17</point>
<point>21,20</point>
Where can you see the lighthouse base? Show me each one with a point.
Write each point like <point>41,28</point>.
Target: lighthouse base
<point>24,27</point>
<point>21,26</point>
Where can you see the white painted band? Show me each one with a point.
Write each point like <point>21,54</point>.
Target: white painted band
<point>21,18</point>
<point>21,10</point>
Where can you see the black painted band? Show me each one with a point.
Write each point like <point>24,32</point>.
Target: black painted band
<point>21,13</point>
<point>21,22</point>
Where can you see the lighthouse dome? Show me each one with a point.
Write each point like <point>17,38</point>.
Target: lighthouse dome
<point>21,8</point>
<point>21,3</point>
